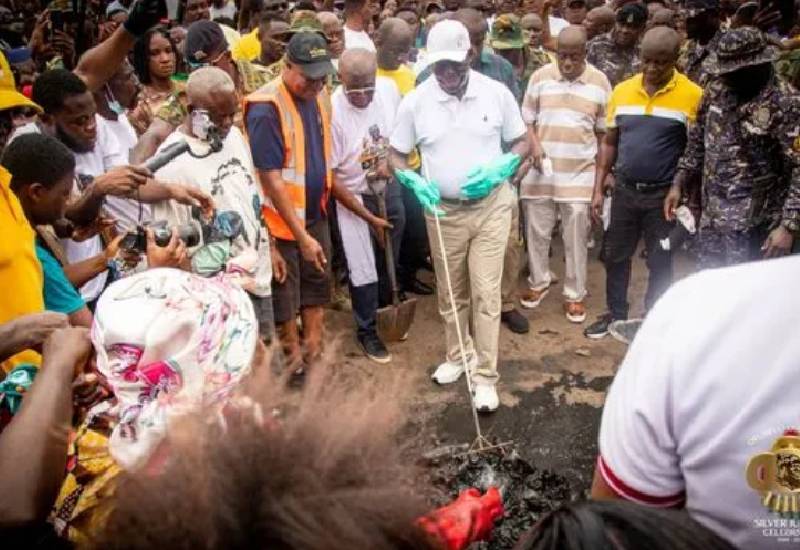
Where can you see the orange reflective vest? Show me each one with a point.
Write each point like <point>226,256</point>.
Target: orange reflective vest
<point>294,158</point>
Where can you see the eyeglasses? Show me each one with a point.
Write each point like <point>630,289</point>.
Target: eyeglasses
<point>356,92</point>
<point>201,64</point>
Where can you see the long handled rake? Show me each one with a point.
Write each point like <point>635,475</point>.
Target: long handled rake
<point>481,443</point>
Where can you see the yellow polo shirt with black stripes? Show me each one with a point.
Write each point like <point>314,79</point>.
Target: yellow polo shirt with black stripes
<point>652,129</point>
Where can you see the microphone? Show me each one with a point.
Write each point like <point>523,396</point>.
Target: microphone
<point>166,156</point>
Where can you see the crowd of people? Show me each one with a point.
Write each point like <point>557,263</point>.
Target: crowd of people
<point>185,186</point>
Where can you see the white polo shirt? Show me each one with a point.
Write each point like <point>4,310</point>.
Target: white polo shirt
<point>456,135</point>
<point>708,385</point>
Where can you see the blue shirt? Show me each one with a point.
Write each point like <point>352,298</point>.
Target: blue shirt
<point>267,147</point>
<point>59,294</point>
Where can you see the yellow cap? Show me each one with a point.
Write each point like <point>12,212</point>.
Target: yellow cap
<point>9,96</point>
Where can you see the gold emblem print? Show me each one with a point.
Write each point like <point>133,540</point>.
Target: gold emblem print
<point>796,144</point>
<point>775,475</point>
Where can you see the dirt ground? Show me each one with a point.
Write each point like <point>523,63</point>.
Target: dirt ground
<point>552,387</point>
<point>553,379</point>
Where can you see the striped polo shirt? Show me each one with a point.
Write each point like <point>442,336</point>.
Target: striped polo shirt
<point>652,129</point>
<point>567,116</point>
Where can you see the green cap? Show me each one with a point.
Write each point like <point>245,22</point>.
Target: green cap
<point>506,33</point>
<point>305,21</point>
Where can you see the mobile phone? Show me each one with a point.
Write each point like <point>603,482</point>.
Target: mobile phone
<point>57,20</point>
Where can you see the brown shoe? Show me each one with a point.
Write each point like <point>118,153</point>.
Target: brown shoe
<point>531,299</point>
<point>575,312</point>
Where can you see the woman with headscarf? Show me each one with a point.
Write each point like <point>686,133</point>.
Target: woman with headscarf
<point>168,343</point>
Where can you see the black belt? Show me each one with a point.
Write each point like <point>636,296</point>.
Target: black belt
<point>463,202</point>
<point>642,186</point>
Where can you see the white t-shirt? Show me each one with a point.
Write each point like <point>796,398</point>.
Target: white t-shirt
<point>229,177</point>
<point>228,11</point>
<point>455,136</point>
<point>357,39</point>
<point>350,128</point>
<point>707,385</point>
<point>124,132</point>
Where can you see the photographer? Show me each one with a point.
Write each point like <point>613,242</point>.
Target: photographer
<point>43,170</point>
<point>102,180</point>
<point>218,163</point>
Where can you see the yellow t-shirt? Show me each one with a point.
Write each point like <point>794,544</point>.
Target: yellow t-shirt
<point>248,48</point>
<point>406,80</point>
<point>403,76</point>
<point>20,271</point>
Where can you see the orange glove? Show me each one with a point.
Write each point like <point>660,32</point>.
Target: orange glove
<point>467,519</point>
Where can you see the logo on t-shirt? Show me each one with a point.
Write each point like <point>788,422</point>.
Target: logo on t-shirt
<point>775,475</point>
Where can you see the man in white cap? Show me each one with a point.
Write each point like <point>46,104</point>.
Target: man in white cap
<point>458,120</point>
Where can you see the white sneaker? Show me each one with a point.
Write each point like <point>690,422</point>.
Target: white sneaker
<point>486,399</point>
<point>448,372</point>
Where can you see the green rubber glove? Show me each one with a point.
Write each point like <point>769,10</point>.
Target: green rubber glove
<point>482,180</point>
<point>426,192</point>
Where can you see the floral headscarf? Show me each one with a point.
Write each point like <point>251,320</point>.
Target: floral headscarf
<point>169,343</point>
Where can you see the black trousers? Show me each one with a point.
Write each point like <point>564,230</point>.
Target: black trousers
<point>635,214</point>
<point>397,217</point>
<point>365,308</point>
<point>415,248</point>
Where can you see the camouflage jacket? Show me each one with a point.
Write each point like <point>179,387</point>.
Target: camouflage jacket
<point>616,63</point>
<point>535,59</point>
<point>174,111</point>
<point>692,57</point>
<point>748,155</point>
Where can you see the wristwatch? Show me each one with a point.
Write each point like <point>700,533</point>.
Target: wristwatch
<point>792,225</point>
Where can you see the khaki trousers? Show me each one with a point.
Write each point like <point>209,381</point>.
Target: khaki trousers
<point>511,262</point>
<point>540,216</point>
<point>475,242</point>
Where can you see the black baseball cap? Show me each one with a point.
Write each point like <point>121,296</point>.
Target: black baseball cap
<point>634,15</point>
<point>309,51</point>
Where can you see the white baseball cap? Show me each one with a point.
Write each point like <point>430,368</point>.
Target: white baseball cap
<point>447,41</point>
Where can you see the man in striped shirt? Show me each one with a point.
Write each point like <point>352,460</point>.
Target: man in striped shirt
<point>564,107</point>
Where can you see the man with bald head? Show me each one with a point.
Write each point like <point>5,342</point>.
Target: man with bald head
<point>599,21</point>
<point>363,114</point>
<point>647,120</point>
<point>564,108</point>
<point>333,30</point>
<point>394,41</point>
<point>225,172</point>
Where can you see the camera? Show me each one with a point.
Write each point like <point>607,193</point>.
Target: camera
<point>136,240</point>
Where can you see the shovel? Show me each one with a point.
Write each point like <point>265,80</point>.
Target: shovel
<point>394,320</point>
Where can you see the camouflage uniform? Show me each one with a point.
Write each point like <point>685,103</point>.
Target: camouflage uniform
<point>692,58</point>
<point>749,158</point>
<point>616,63</point>
<point>535,59</point>
<point>174,111</point>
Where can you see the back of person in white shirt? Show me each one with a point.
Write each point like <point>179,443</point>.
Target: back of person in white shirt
<point>357,19</point>
<point>228,176</point>
<point>703,412</point>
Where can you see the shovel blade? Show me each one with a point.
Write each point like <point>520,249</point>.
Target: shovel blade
<point>394,321</point>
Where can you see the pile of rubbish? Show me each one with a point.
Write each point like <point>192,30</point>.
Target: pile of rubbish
<point>527,492</point>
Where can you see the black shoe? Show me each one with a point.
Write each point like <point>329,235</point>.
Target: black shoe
<point>599,329</point>
<point>515,321</point>
<point>415,286</point>
<point>374,348</point>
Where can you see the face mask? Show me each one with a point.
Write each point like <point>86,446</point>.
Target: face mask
<point>202,127</point>
<point>113,104</point>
